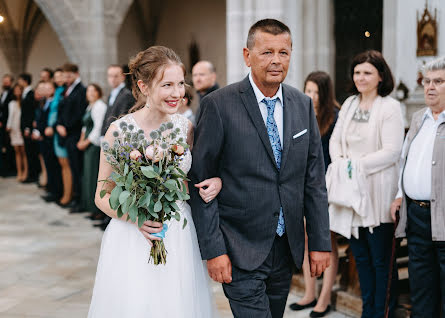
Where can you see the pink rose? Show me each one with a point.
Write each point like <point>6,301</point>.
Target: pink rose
<point>150,152</point>
<point>178,149</point>
<point>135,155</point>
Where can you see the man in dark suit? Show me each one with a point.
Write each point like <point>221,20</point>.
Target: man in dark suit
<point>204,80</point>
<point>120,99</point>
<point>54,186</point>
<point>69,125</point>
<point>261,138</point>
<point>7,159</point>
<point>28,108</point>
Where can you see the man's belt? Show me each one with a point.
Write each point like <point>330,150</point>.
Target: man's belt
<point>422,204</point>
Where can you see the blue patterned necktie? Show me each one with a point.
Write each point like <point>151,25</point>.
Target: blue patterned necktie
<point>274,138</point>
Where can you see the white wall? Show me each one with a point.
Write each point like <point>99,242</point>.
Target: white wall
<point>400,37</point>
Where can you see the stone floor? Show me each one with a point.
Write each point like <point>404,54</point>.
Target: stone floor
<point>48,258</point>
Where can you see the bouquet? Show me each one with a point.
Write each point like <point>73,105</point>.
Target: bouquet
<point>147,178</point>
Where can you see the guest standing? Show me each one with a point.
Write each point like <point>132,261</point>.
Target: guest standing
<point>319,87</point>
<point>420,197</point>
<point>369,135</point>
<point>15,133</point>
<point>69,125</point>
<point>7,161</point>
<point>89,144</point>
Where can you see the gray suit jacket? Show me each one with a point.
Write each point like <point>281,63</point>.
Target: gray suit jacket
<point>231,142</point>
<point>122,104</point>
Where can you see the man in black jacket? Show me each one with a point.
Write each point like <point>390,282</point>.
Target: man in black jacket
<point>7,160</point>
<point>119,103</point>
<point>120,100</point>
<point>28,107</point>
<point>69,125</point>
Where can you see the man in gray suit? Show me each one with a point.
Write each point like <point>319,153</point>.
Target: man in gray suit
<point>261,138</point>
<point>120,99</point>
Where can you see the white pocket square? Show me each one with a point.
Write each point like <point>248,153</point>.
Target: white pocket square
<point>301,133</point>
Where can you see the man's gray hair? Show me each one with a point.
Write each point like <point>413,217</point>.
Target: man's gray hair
<point>435,65</point>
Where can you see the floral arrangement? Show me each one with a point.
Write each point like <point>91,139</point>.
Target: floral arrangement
<point>147,178</point>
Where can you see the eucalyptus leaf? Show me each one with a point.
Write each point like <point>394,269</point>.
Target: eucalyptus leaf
<point>123,196</point>
<point>184,224</point>
<point>114,197</point>
<point>158,206</point>
<point>174,206</point>
<point>177,216</point>
<point>126,168</point>
<point>119,212</point>
<point>169,197</point>
<point>102,193</point>
<point>149,172</point>
<point>144,200</point>
<point>129,181</point>
<point>141,219</point>
<point>126,205</point>
<point>133,212</point>
<point>170,184</point>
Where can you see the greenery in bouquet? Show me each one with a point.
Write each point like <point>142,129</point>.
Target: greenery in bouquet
<point>147,177</point>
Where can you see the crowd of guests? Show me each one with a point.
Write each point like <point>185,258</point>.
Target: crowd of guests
<point>56,128</point>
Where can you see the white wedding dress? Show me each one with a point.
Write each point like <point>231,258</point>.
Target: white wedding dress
<point>127,286</point>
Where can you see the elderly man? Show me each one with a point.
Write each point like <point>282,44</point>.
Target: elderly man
<point>421,197</point>
<point>261,138</point>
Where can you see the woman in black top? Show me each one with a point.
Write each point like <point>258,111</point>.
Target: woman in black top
<point>318,86</point>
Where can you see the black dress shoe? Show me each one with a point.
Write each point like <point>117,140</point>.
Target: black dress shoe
<point>65,206</point>
<point>77,209</point>
<point>73,204</point>
<point>296,306</point>
<point>101,225</point>
<point>49,197</point>
<point>29,180</point>
<point>317,314</point>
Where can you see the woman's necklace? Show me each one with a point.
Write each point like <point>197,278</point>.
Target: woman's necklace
<point>361,116</point>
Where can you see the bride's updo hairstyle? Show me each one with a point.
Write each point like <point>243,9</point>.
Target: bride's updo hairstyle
<point>146,66</point>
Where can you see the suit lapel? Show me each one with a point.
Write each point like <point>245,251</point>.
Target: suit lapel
<point>251,105</point>
<point>288,113</point>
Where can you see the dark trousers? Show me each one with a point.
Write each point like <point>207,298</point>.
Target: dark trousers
<point>426,266</point>
<point>75,159</point>
<point>32,155</point>
<point>7,155</point>
<point>262,293</point>
<point>372,253</point>
<point>54,185</point>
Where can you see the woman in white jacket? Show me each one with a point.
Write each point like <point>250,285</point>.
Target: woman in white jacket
<point>369,135</point>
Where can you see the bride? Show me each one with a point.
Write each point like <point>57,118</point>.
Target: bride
<point>126,285</point>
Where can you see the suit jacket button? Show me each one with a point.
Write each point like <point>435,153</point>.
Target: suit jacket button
<point>276,214</point>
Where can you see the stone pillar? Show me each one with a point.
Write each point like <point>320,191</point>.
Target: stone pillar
<point>311,25</point>
<point>88,32</point>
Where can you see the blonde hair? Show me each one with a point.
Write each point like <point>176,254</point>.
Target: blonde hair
<point>146,65</point>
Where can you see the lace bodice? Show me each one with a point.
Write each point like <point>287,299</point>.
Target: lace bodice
<point>178,121</point>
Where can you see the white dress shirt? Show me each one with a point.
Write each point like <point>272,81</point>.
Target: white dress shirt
<point>70,89</point>
<point>114,93</point>
<point>4,94</point>
<point>278,112</point>
<point>417,173</point>
<point>26,91</point>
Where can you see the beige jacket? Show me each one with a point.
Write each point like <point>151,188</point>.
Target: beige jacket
<point>380,165</point>
<point>437,180</point>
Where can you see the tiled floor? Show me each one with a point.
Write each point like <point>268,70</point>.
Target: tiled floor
<point>48,258</point>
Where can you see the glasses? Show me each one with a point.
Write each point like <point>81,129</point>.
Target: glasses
<point>435,81</point>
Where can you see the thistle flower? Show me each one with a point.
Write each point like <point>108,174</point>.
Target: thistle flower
<point>131,127</point>
<point>169,125</point>
<point>105,145</point>
<point>154,134</point>
<point>115,134</point>
<point>164,146</point>
<point>122,124</point>
<point>173,136</point>
<point>140,132</point>
<point>162,128</point>
<point>177,130</point>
